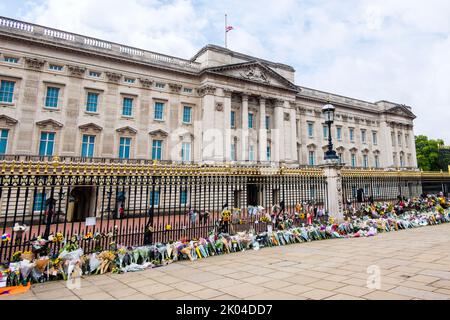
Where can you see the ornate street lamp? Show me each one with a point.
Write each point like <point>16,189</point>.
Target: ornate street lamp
<point>328,111</point>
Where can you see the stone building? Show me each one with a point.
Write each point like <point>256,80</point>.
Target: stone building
<point>74,96</point>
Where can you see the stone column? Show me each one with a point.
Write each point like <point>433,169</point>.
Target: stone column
<point>293,120</point>
<point>227,124</point>
<point>209,134</point>
<point>335,206</point>
<point>262,137</point>
<point>412,146</point>
<point>244,128</point>
<point>277,132</point>
<point>385,143</point>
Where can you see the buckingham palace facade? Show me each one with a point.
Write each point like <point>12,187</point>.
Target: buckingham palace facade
<point>74,96</point>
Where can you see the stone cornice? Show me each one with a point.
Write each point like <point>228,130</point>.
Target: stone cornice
<point>175,87</point>
<point>90,126</point>
<point>34,63</point>
<point>206,90</point>
<point>49,123</point>
<point>8,120</point>
<point>76,71</point>
<point>146,83</point>
<point>158,133</point>
<point>127,129</point>
<point>113,76</point>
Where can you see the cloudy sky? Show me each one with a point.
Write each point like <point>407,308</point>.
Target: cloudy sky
<point>397,50</point>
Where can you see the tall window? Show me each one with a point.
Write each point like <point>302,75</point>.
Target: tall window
<point>183,196</point>
<point>407,140</point>
<point>6,91</point>
<point>127,107</point>
<point>374,138</point>
<point>46,143</point>
<point>186,151</point>
<point>399,137</point>
<point>402,161</point>
<point>353,160</point>
<point>154,198</point>
<point>251,153</point>
<point>363,136</point>
<point>267,122</point>
<point>51,99</point>
<point>233,152</point>
<point>393,138</point>
<point>157,150</point>
<point>365,161</point>
<point>325,132</point>
<point>87,147</point>
<point>250,120</point>
<point>187,112</point>
<point>159,111</point>
<point>233,119</point>
<point>268,153</point>
<point>124,148</point>
<point>312,158</point>
<point>339,133</point>
<point>92,102</point>
<point>377,161</point>
<point>352,134</point>
<point>310,129</point>
<point>39,202</point>
<point>340,155</point>
<point>3,141</point>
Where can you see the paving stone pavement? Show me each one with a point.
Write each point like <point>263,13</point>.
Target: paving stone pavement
<point>414,264</point>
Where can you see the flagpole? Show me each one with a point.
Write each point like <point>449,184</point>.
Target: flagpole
<point>225,29</point>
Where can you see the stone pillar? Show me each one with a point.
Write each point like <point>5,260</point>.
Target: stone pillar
<point>277,132</point>
<point>412,146</point>
<point>244,128</point>
<point>335,205</point>
<point>385,142</point>
<point>227,124</point>
<point>293,120</point>
<point>262,137</point>
<point>210,136</point>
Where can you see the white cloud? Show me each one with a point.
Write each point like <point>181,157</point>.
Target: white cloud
<point>389,49</point>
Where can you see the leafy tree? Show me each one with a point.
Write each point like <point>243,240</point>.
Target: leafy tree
<point>428,156</point>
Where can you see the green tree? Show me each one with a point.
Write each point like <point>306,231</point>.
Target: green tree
<point>428,158</point>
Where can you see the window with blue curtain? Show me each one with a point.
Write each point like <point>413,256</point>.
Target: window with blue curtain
<point>325,132</point>
<point>353,160</point>
<point>267,122</point>
<point>250,120</point>
<point>87,147</point>
<point>183,196</point>
<point>233,152</point>
<point>374,138</point>
<point>124,148</point>
<point>154,198</point>
<point>187,114</point>
<point>377,161</point>
<point>7,91</point>
<point>268,153</point>
<point>311,158</point>
<point>51,99</point>
<point>339,133</point>
<point>363,136</point>
<point>11,59</point>
<point>92,102</point>
<point>352,134</point>
<point>159,111</point>
<point>251,154</point>
<point>310,129</point>
<point>39,202</point>
<point>46,143</point>
<point>233,119</point>
<point>186,151</point>
<point>157,150</point>
<point>127,107</point>
<point>365,161</point>
<point>3,140</point>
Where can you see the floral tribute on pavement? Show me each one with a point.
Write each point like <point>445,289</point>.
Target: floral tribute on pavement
<point>41,264</point>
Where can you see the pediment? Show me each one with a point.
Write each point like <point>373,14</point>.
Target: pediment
<point>127,129</point>
<point>90,126</point>
<point>159,132</point>
<point>254,71</point>
<point>401,110</point>
<point>7,120</point>
<point>49,123</point>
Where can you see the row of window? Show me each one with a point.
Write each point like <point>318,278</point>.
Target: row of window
<point>52,101</point>
<point>250,123</point>
<point>339,134</point>
<point>353,159</point>
<point>47,146</point>
<point>400,139</point>
<point>92,73</point>
<point>251,153</point>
